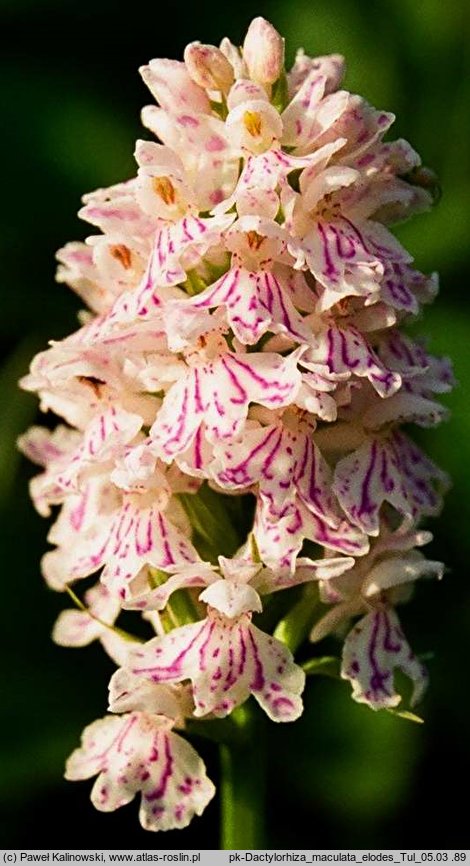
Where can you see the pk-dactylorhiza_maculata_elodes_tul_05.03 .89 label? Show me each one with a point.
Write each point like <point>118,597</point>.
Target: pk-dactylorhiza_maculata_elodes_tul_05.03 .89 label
<point>231,409</point>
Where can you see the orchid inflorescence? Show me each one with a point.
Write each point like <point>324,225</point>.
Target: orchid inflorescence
<point>232,404</point>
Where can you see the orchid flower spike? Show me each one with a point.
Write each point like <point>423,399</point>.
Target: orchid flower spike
<point>231,414</point>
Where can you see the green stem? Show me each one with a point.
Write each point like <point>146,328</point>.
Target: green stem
<point>243,786</point>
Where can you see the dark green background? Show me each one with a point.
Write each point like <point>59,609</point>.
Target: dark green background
<point>343,776</point>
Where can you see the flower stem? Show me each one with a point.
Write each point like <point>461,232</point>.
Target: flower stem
<point>243,785</point>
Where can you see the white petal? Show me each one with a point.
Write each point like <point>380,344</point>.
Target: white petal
<point>225,660</point>
<point>136,753</point>
<point>232,599</point>
<point>374,648</point>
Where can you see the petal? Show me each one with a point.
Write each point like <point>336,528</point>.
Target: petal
<point>78,270</point>
<point>279,681</point>
<point>117,646</point>
<point>309,115</point>
<point>399,569</point>
<point>136,753</point>
<point>267,580</point>
<point>190,237</point>
<point>358,122</point>
<point>405,408</point>
<point>75,628</point>
<point>373,650</point>
<point>172,86</point>
<point>345,352</point>
<point>226,660</point>
<point>231,598</point>
<point>199,574</point>
<point>263,172</point>
<point>264,456</point>
<point>280,540</point>
<point>82,533</point>
<point>219,394</point>
<point>284,464</point>
<point>128,693</point>
<point>142,536</point>
<point>79,628</point>
<point>331,66</point>
<point>390,470</point>
<point>103,440</point>
<point>114,214</point>
<point>44,447</point>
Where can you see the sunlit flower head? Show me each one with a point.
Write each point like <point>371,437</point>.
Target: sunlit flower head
<point>231,410</point>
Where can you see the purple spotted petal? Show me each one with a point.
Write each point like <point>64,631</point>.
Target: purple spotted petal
<point>219,393</point>
<point>392,470</point>
<point>226,661</point>
<point>284,464</point>
<point>344,352</point>
<point>255,303</point>
<point>142,536</point>
<point>279,540</point>
<point>134,754</point>
<point>373,650</point>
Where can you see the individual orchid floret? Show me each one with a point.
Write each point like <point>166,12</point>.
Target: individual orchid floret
<point>252,291</point>
<point>216,392</point>
<point>263,52</point>
<point>386,573</point>
<point>133,535</point>
<point>373,650</point>
<point>163,189</point>
<point>226,659</point>
<point>253,125</point>
<point>225,656</point>
<point>388,468</point>
<point>209,67</point>
<point>78,628</point>
<point>139,753</point>
<point>376,645</point>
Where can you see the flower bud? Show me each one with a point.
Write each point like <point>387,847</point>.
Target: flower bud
<point>208,67</point>
<point>172,87</point>
<point>263,52</point>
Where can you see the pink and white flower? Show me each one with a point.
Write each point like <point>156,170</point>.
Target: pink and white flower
<point>373,650</point>
<point>216,392</point>
<point>139,753</point>
<point>78,628</point>
<point>225,656</point>
<point>376,645</point>
<point>242,350</point>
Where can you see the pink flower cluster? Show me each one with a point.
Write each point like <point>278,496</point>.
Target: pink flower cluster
<point>246,299</point>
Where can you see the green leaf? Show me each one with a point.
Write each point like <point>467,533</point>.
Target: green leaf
<point>194,283</point>
<point>327,666</point>
<point>211,523</point>
<point>294,627</point>
<point>280,95</point>
<point>406,714</point>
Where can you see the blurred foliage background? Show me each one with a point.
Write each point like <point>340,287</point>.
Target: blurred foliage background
<point>70,94</point>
